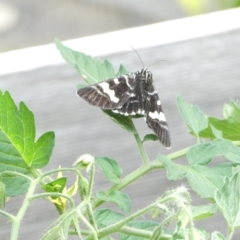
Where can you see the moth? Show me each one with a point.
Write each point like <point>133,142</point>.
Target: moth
<point>131,94</point>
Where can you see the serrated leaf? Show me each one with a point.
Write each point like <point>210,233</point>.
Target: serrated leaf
<point>229,126</point>
<point>203,211</point>
<point>18,149</point>
<point>43,150</point>
<point>105,217</point>
<point>192,116</point>
<point>205,152</point>
<point>15,185</point>
<point>150,137</point>
<point>205,181</point>
<point>143,225</point>
<point>110,168</point>
<point>117,197</point>
<point>228,199</point>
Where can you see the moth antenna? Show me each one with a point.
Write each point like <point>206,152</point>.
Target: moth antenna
<point>138,55</point>
<point>156,62</point>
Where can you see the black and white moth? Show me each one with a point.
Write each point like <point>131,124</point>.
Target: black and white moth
<point>131,94</point>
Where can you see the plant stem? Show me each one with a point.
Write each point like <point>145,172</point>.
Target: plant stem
<point>127,180</point>
<point>58,224</point>
<point>230,233</point>
<point>23,209</point>
<point>144,169</point>
<point>91,181</point>
<point>84,220</point>
<point>7,215</point>
<point>172,195</point>
<point>178,154</point>
<point>141,149</point>
<point>88,198</point>
<point>77,228</point>
<point>53,194</point>
<point>136,232</point>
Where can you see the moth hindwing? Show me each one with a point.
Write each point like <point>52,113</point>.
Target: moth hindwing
<point>131,94</point>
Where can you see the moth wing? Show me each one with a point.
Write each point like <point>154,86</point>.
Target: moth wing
<point>110,94</point>
<point>156,120</point>
<point>131,107</point>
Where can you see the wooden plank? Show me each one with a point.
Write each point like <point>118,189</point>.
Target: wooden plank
<point>139,37</point>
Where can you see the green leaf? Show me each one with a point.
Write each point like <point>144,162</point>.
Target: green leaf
<point>110,168</point>
<point>150,137</point>
<point>174,171</point>
<point>228,199</point>
<point>105,217</point>
<point>15,185</point>
<point>56,186</point>
<point>92,70</point>
<point>18,149</point>
<point>203,211</point>
<point>205,152</point>
<point>143,225</point>
<point>192,116</point>
<point>117,197</point>
<point>125,122</point>
<point>122,70</point>
<point>205,181</point>
<point>43,150</point>
<point>217,236</point>
<point>217,133</point>
<point>229,126</point>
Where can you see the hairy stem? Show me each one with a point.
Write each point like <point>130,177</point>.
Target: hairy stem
<point>23,209</point>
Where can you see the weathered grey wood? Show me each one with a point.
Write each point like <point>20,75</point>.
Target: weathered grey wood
<point>205,71</point>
